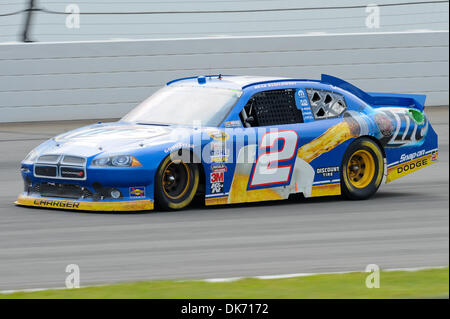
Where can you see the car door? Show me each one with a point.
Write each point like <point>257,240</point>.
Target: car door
<point>272,121</point>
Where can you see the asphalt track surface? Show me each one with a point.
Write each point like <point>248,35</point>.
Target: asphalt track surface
<point>405,225</point>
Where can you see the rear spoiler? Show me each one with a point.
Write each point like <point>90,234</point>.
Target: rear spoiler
<point>416,101</point>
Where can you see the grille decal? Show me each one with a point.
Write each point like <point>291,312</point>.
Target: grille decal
<point>67,167</point>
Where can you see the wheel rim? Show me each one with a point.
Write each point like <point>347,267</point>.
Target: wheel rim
<point>361,169</point>
<point>176,179</point>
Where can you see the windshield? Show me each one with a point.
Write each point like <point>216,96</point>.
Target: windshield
<point>185,106</point>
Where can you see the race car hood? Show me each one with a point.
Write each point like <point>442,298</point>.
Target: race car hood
<point>115,137</point>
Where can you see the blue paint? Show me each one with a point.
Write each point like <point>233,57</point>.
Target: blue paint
<point>157,142</point>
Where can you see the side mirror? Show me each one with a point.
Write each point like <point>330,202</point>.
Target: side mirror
<point>250,120</point>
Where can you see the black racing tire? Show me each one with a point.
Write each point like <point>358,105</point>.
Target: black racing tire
<point>362,169</point>
<point>176,183</point>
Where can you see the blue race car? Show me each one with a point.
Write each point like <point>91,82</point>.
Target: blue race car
<point>234,139</point>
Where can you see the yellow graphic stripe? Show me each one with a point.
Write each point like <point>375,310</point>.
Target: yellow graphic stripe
<point>239,193</point>
<point>216,200</point>
<point>326,190</point>
<point>134,205</point>
<point>331,138</point>
<point>408,167</point>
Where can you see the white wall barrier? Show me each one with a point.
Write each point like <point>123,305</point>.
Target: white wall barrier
<point>90,80</point>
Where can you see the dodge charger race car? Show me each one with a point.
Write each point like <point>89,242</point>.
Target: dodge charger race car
<point>234,139</point>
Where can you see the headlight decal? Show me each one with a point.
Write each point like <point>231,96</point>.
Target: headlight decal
<point>116,161</point>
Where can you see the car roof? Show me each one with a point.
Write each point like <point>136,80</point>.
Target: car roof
<point>230,81</point>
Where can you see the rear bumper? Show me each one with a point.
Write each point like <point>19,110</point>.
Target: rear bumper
<point>397,170</point>
<point>85,205</point>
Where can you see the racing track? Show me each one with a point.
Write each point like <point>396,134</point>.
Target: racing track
<point>405,225</point>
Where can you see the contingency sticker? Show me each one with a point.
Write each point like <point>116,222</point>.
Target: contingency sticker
<point>303,104</point>
<point>137,192</point>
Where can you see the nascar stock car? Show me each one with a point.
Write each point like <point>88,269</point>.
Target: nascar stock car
<point>234,139</point>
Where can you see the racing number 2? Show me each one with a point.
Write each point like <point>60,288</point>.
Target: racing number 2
<point>268,168</point>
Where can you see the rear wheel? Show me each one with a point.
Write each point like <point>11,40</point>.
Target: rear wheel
<point>362,169</point>
<point>176,183</point>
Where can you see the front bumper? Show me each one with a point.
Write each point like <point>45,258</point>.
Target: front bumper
<point>93,193</point>
<point>84,204</point>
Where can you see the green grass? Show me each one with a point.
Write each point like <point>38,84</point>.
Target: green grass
<point>430,283</point>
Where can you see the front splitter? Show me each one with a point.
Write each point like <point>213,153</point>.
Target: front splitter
<point>55,203</point>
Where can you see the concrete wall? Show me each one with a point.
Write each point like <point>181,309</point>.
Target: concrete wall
<point>61,81</point>
<point>52,27</point>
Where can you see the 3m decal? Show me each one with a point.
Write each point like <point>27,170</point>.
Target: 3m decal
<point>268,168</point>
<point>137,192</point>
<point>217,177</point>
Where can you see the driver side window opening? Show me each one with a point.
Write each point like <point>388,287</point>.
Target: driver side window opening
<point>273,107</point>
<point>326,104</point>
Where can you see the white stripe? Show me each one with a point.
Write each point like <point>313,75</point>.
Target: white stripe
<point>217,195</point>
<point>392,164</point>
<point>304,35</point>
<point>230,279</point>
<point>4,292</point>
<point>314,274</point>
<point>328,181</point>
<point>430,151</point>
<point>223,279</point>
<point>321,182</point>
<point>413,268</point>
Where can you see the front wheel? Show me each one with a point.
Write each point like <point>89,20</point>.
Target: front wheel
<point>176,183</point>
<point>362,169</point>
